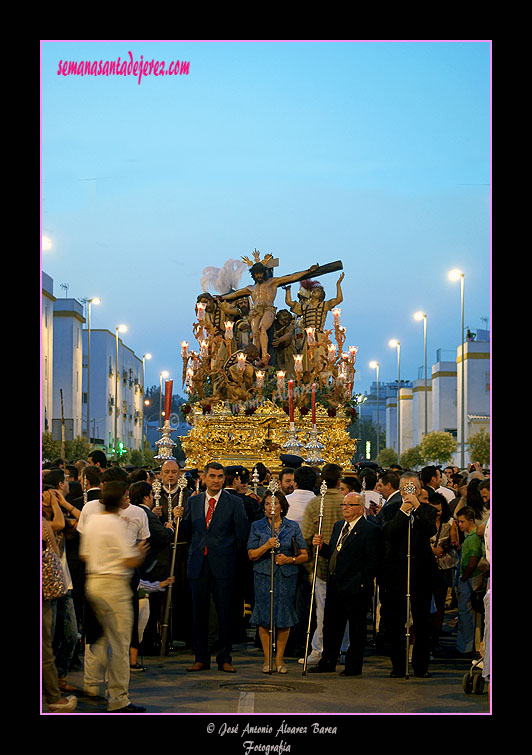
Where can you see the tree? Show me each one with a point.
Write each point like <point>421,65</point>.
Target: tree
<point>51,449</point>
<point>437,446</point>
<point>411,458</point>
<point>79,448</point>
<point>387,457</point>
<point>479,446</point>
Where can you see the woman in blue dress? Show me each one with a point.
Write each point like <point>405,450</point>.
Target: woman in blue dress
<point>290,551</point>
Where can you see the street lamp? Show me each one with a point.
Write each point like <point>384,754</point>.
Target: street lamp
<point>375,366</point>
<point>119,329</point>
<point>93,300</point>
<point>422,316</point>
<point>454,276</point>
<point>164,374</point>
<point>144,357</point>
<point>394,343</point>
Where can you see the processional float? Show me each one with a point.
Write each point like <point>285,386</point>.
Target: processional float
<point>264,381</point>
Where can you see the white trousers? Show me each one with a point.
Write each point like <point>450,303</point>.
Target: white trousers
<point>111,601</point>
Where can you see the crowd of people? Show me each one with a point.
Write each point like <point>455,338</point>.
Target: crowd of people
<point>304,565</point>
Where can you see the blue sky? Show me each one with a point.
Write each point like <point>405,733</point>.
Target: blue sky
<point>373,153</point>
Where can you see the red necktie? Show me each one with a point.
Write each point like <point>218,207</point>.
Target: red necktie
<point>209,516</point>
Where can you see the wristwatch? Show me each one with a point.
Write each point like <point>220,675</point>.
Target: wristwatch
<point>293,559</point>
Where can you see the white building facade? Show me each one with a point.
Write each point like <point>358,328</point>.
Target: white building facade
<point>477,390</point>
<point>130,392</point>
<point>67,370</point>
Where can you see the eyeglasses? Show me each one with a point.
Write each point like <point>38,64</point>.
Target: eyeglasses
<point>351,504</point>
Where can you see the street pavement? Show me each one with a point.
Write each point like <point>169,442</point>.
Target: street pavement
<point>167,688</point>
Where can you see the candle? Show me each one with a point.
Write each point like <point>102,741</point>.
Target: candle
<point>228,330</point>
<point>204,349</point>
<point>310,336</point>
<point>200,308</point>
<point>260,379</point>
<point>168,399</point>
<point>184,349</point>
<point>353,353</point>
<point>298,363</point>
<point>313,403</point>
<point>336,316</point>
<point>241,361</point>
<point>291,399</point>
<point>331,352</point>
<point>280,381</point>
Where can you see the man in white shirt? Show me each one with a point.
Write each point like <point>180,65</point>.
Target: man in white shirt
<point>431,478</point>
<point>110,558</point>
<point>304,484</point>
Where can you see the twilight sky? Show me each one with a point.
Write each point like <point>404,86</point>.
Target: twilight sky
<point>377,154</point>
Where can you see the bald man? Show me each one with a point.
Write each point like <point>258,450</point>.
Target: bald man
<point>354,554</point>
<point>170,474</point>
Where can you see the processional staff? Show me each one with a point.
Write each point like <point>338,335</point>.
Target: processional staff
<point>410,489</point>
<point>273,487</point>
<point>323,490</point>
<point>181,483</point>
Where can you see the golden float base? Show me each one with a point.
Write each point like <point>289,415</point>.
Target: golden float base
<point>246,439</point>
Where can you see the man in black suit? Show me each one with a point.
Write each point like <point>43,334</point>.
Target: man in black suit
<point>215,522</point>
<point>157,563</point>
<point>388,486</point>
<point>353,554</point>
<point>420,518</point>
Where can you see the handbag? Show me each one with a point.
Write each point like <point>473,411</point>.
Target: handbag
<point>53,576</point>
<point>295,547</point>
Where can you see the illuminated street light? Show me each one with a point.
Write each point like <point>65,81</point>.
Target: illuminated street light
<point>375,366</point>
<point>422,316</point>
<point>395,344</point>
<point>457,275</point>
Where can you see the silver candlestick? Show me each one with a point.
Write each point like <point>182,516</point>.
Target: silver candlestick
<point>165,444</point>
<point>314,448</point>
<point>292,445</point>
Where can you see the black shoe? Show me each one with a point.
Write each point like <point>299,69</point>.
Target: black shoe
<point>130,709</point>
<point>321,668</point>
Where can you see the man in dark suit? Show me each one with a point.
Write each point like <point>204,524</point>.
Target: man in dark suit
<point>420,518</point>
<point>353,554</point>
<point>388,486</point>
<point>157,562</point>
<point>215,522</point>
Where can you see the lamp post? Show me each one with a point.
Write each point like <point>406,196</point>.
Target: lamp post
<point>118,329</point>
<point>423,316</point>
<point>394,343</point>
<point>455,275</point>
<point>144,357</point>
<point>375,365</point>
<point>93,300</point>
<point>164,374</point>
